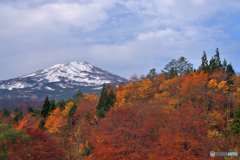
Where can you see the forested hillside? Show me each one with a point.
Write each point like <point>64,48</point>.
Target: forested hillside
<point>179,113</point>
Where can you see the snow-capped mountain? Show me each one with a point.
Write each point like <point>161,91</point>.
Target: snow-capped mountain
<point>58,81</point>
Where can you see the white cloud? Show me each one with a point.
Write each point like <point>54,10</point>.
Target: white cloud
<point>85,16</point>
<point>160,34</point>
<point>180,12</point>
<point>89,15</point>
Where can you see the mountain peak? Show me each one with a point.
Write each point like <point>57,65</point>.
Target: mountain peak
<point>59,78</point>
<point>81,65</point>
<point>78,62</point>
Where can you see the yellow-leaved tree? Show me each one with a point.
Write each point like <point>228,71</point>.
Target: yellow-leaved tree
<point>212,84</point>
<point>55,121</point>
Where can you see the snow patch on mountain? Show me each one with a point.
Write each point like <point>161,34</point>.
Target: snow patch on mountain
<point>49,88</point>
<point>14,85</point>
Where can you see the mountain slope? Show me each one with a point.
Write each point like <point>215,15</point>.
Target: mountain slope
<point>59,81</point>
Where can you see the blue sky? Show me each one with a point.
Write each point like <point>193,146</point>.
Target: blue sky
<point>126,37</point>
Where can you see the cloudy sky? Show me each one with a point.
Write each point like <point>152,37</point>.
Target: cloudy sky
<point>125,37</point>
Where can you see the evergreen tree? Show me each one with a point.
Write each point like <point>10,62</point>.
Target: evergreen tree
<point>52,105</point>
<point>218,59</point>
<point>204,65</point>
<point>230,73</point>
<point>229,69</point>
<point>152,73</point>
<point>46,108</point>
<point>106,101</point>
<point>224,65</point>
<point>42,124</point>
<point>215,62</point>
<point>6,113</point>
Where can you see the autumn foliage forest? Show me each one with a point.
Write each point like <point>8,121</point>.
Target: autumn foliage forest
<point>181,113</point>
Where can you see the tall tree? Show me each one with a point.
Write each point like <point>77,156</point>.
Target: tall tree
<point>46,107</point>
<point>230,70</point>
<point>224,65</point>
<point>230,73</point>
<point>106,101</point>
<point>204,65</point>
<point>215,62</point>
<point>217,58</point>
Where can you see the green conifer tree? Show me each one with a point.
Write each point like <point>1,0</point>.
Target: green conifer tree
<point>215,62</point>
<point>204,65</point>
<point>106,101</point>
<point>224,65</point>
<point>6,113</point>
<point>46,107</point>
<point>229,69</point>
